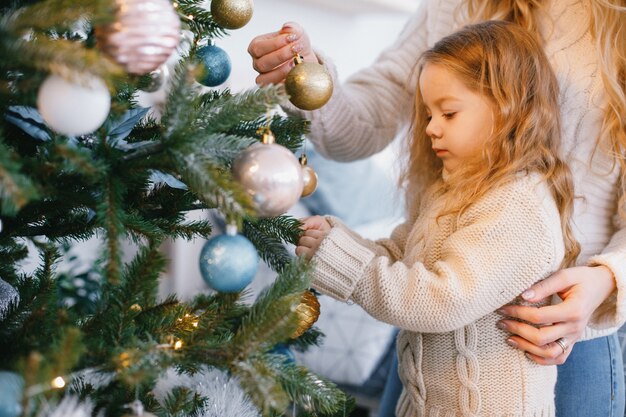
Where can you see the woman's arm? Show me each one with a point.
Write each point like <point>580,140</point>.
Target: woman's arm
<point>367,111</point>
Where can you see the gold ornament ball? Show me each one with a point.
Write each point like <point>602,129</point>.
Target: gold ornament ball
<point>309,86</point>
<point>308,312</point>
<point>231,14</point>
<point>143,35</point>
<point>309,180</point>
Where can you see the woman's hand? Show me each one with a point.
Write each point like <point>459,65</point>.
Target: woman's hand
<point>582,289</point>
<point>315,230</point>
<point>273,53</point>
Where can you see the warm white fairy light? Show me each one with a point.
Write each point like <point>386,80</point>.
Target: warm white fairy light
<point>58,382</point>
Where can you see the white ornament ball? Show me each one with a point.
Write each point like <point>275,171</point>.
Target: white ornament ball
<point>74,108</point>
<point>272,175</point>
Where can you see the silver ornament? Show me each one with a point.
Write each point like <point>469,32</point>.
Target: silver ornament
<point>143,35</point>
<point>8,296</point>
<point>272,175</point>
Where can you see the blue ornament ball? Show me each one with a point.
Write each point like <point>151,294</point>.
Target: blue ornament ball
<point>228,263</point>
<point>283,349</point>
<point>216,63</point>
<point>12,386</point>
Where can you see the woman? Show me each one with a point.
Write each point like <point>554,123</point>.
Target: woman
<point>585,43</point>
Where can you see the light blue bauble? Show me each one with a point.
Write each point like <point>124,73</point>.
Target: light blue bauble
<point>216,63</point>
<point>228,263</point>
<point>11,387</point>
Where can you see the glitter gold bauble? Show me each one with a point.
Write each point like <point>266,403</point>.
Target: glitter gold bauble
<point>231,14</point>
<point>309,178</point>
<point>143,35</point>
<point>272,176</point>
<point>309,85</point>
<point>308,312</point>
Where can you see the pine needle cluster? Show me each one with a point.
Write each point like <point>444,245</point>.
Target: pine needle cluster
<point>134,180</point>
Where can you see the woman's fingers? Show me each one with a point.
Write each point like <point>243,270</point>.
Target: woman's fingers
<point>538,336</point>
<point>276,76</point>
<point>540,360</point>
<point>551,351</point>
<point>540,315</point>
<point>272,53</point>
<point>275,52</point>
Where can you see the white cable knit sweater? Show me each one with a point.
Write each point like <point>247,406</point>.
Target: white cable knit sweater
<point>366,113</point>
<point>441,282</point>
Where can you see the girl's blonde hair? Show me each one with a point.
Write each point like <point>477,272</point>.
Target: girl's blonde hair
<point>607,25</point>
<point>504,63</point>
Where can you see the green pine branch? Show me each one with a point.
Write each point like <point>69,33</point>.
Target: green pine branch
<point>16,190</point>
<point>269,236</point>
<point>202,24</point>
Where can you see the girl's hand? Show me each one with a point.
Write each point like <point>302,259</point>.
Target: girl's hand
<point>273,53</point>
<point>582,289</point>
<point>315,230</point>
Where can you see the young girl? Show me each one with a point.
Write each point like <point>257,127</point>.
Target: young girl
<point>489,204</point>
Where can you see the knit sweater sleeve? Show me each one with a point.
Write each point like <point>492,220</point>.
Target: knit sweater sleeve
<point>366,112</point>
<point>612,313</point>
<point>392,247</point>
<point>502,245</point>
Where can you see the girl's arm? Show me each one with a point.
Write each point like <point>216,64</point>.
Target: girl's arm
<point>502,246</point>
<point>316,228</point>
<point>593,295</point>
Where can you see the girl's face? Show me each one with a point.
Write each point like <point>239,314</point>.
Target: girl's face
<point>460,120</point>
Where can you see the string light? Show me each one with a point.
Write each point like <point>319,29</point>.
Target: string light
<point>178,345</point>
<point>58,382</point>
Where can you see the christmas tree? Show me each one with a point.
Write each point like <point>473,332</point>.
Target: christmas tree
<point>80,159</point>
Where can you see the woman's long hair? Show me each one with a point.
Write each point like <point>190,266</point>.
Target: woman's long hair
<point>506,64</point>
<point>607,26</point>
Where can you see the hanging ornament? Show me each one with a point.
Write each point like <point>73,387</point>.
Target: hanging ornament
<point>308,312</point>
<point>309,177</point>
<point>216,64</point>
<point>231,14</point>
<point>8,296</point>
<point>137,410</point>
<point>73,109</point>
<point>309,85</point>
<point>143,35</point>
<point>156,79</point>
<point>12,386</point>
<point>283,349</point>
<point>229,262</point>
<point>271,174</point>
<point>79,292</point>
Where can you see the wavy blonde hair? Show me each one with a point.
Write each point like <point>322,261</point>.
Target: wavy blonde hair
<point>607,25</point>
<point>507,65</point>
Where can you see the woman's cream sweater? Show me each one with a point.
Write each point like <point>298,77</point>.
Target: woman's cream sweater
<point>440,281</point>
<point>366,113</point>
